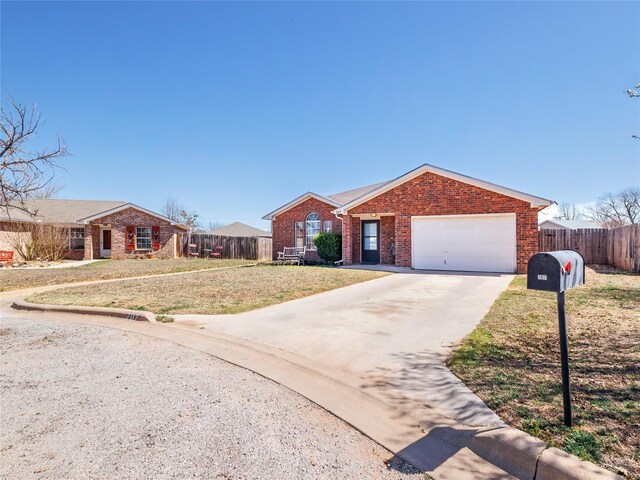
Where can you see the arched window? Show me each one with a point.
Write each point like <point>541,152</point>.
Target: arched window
<point>312,228</point>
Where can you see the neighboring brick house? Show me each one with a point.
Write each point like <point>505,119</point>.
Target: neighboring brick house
<point>429,218</point>
<point>98,229</point>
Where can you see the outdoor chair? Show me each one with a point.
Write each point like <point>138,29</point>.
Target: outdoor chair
<point>296,254</point>
<point>193,251</point>
<point>6,256</point>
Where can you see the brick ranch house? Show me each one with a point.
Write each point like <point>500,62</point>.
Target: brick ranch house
<point>429,218</point>
<point>98,229</point>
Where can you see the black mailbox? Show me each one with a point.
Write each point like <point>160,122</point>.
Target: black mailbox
<point>555,271</point>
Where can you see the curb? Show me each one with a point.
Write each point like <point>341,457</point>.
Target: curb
<point>131,315</point>
<point>511,450</point>
<point>555,464</point>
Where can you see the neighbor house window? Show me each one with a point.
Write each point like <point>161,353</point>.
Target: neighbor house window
<point>76,238</point>
<point>143,238</point>
<point>312,228</point>
<point>299,235</point>
<point>327,226</point>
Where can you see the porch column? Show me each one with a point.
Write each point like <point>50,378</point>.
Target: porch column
<point>88,242</point>
<point>347,253</point>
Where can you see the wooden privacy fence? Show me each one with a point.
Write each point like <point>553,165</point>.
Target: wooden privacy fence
<point>247,248</point>
<point>590,242</point>
<point>618,247</point>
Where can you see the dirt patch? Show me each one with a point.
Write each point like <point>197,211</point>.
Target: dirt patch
<point>511,360</point>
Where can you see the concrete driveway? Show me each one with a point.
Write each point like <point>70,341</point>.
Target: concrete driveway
<point>394,333</point>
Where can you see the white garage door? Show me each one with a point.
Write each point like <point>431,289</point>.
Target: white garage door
<point>470,243</point>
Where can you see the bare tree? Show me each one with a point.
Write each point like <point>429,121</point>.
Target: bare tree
<point>616,209</point>
<point>39,241</point>
<point>210,226</point>
<point>24,172</point>
<point>179,213</point>
<point>49,191</point>
<point>568,211</point>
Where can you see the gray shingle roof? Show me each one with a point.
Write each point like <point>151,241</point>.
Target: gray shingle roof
<point>350,195</point>
<point>237,229</point>
<point>57,210</point>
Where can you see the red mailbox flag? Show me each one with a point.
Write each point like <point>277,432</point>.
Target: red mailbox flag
<point>567,268</point>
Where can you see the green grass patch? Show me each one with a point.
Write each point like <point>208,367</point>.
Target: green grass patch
<point>511,360</point>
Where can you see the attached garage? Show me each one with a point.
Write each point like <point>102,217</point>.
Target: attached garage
<point>429,218</point>
<point>470,243</point>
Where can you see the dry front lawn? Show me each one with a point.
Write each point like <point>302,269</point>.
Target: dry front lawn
<point>212,292</point>
<point>511,360</point>
<point>15,278</point>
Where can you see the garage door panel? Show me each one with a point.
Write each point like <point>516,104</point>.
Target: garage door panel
<point>466,243</point>
<point>479,250</point>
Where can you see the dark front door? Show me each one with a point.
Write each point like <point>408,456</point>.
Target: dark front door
<point>106,239</point>
<point>371,241</point>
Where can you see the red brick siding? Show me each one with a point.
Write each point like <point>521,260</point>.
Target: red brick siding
<point>91,242</point>
<point>119,222</point>
<point>387,237</point>
<point>347,245</point>
<point>74,254</point>
<point>283,226</point>
<point>356,227</point>
<point>431,194</point>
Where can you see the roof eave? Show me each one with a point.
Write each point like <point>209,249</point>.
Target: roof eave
<point>536,202</point>
<point>124,206</point>
<point>297,201</point>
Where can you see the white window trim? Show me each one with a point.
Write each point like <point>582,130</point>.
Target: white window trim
<point>70,246</point>
<point>311,248</point>
<point>138,238</point>
<point>295,234</point>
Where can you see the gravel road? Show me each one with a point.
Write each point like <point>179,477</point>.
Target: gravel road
<point>86,402</point>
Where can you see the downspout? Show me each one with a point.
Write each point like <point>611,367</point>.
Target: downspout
<point>339,262</point>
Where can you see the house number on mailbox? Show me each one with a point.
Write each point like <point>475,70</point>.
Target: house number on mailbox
<point>557,272</point>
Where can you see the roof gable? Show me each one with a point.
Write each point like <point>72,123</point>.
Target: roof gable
<point>427,168</point>
<point>298,201</point>
<point>136,207</point>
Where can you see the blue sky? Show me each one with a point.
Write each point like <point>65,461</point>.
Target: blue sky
<point>235,108</point>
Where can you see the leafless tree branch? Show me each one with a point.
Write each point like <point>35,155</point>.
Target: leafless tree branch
<point>179,213</point>
<point>24,173</point>
<point>568,211</point>
<point>616,209</point>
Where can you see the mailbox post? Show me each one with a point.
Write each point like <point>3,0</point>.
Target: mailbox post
<point>556,272</point>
